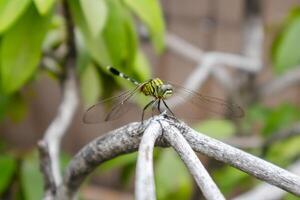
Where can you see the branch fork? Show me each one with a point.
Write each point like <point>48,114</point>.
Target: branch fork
<point>165,132</point>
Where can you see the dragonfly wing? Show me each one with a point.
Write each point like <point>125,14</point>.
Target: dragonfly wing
<point>206,103</point>
<point>110,109</point>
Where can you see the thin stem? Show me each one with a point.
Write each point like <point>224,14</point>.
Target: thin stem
<point>201,176</point>
<point>144,181</point>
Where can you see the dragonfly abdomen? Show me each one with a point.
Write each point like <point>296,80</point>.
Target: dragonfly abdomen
<point>118,73</point>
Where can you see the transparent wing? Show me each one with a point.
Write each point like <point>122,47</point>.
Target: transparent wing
<point>190,100</point>
<point>110,109</point>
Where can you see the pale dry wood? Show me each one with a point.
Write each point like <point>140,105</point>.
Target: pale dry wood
<point>198,171</point>
<point>144,179</point>
<point>127,138</point>
<point>266,191</point>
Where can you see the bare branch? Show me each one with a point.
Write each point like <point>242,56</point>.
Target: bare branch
<point>203,179</point>
<point>144,179</point>
<point>184,48</point>
<point>209,63</point>
<point>266,191</point>
<point>246,162</point>
<point>66,110</point>
<point>253,39</point>
<point>292,77</point>
<point>45,167</point>
<point>126,139</point>
<point>61,122</point>
<point>117,142</point>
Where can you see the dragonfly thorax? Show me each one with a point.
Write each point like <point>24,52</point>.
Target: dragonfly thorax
<point>157,88</point>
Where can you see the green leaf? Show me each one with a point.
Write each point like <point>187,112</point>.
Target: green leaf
<point>10,11</point>
<point>141,66</point>
<point>95,13</point>
<point>220,129</point>
<point>286,49</point>
<point>44,6</point>
<point>118,162</point>
<point>149,11</point>
<point>90,85</point>
<point>4,104</point>
<point>96,46</point>
<point>284,152</point>
<point>172,182</point>
<point>290,196</point>
<point>230,179</point>
<point>31,178</point>
<point>279,118</point>
<point>21,50</point>
<point>114,33</point>
<point>132,42</point>
<point>8,167</point>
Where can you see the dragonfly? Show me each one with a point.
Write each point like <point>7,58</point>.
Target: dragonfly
<point>160,91</point>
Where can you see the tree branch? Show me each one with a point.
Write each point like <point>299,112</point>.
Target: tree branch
<point>144,179</point>
<point>266,191</point>
<point>66,110</point>
<point>202,178</point>
<point>273,87</point>
<point>127,138</point>
<point>239,159</point>
<point>46,169</point>
<point>209,63</point>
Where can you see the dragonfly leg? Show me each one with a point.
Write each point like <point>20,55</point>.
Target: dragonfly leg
<point>168,108</point>
<point>144,109</point>
<point>159,106</point>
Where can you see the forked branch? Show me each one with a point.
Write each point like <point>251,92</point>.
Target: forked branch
<point>127,139</point>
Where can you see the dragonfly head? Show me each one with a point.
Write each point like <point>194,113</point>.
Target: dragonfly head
<point>166,90</point>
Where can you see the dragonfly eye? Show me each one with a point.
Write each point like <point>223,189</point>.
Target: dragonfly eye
<point>167,90</point>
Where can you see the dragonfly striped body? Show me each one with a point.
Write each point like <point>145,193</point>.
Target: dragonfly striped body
<point>154,87</point>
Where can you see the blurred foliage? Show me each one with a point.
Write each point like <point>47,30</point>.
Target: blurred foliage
<point>117,162</point>
<point>31,178</point>
<point>231,180</point>
<point>106,34</point>
<point>21,49</point>
<point>8,166</point>
<point>173,180</point>
<point>290,197</point>
<point>284,152</point>
<point>270,120</point>
<point>285,49</point>
<point>167,163</point>
<point>90,77</point>
<point>220,129</point>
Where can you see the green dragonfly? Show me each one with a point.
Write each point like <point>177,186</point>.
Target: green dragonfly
<point>160,92</point>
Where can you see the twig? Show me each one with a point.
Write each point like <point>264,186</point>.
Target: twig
<point>117,142</point>
<point>46,168</point>
<point>61,122</point>
<point>292,77</point>
<point>144,179</point>
<point>248,163</point>
<point>266,191</point>
<point>253,39</point>
<point>66,110</point>
<point>207,63</point>
<point>203,179</point>
<point>126,139</point>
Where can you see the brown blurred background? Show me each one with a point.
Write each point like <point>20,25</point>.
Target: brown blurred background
<point>208,24</point>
